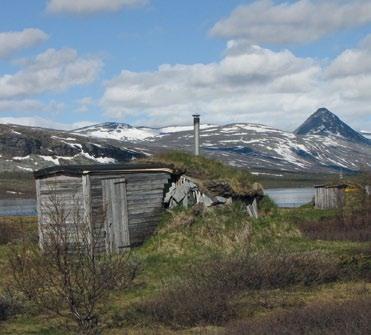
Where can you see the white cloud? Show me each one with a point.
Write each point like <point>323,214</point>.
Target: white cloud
<point>352,62</point>
<point>36,121</point>
<point>350,75</point>
<point>31,105</point>
<point>91,6</point>
<point>13,41</point>
<point>20,105</point>
<point>52,70</point>
<point>248,81</point>
<point>249,84</point>
<point>301,21</point>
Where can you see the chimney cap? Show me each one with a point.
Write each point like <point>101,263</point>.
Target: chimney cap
<point>196,115</point>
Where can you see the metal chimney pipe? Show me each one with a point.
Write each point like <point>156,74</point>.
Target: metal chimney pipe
<point>196,125</point>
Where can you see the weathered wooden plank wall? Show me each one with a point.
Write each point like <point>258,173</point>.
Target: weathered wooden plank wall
<point>144,196</point>
<point>59,194</point>
<point>329,197</point>
<point>135,202</point>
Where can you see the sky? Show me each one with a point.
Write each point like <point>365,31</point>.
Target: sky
<point>70,63</point>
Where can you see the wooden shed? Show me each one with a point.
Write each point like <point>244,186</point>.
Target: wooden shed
<point>122,204</point>
<point>329,196</point>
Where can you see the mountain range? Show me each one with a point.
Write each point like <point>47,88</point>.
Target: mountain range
<point>323,143</point>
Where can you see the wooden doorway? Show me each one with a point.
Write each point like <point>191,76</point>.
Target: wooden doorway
<point>116,214</point>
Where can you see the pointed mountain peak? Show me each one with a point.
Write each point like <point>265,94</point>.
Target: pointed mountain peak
<point>324,122</point>
<point>324,112</point>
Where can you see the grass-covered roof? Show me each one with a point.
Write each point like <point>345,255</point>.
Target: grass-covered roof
<point>212,174</point>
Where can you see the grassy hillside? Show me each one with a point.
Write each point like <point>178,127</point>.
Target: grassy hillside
<point>217,271</point>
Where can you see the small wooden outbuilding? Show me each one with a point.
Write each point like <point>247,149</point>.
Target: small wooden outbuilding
<point>329,196</point>
<point>122,204</point>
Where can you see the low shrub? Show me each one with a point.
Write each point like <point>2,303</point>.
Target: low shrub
<point>348,318</point>
<point>9,232</point>
<point>9,306</point>
<point>205,295</point>
<point>188,304</point>
<point>337,229</point>
<point>356,264</point>
<point>12,230</point>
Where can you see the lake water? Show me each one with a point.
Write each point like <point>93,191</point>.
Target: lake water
<point>17,207</point>
<point>291,197</point>
<point>283,197</point>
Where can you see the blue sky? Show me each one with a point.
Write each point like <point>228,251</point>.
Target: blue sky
<point>155,62</point>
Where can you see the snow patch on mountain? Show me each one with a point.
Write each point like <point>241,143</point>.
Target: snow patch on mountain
<point>125,132</point>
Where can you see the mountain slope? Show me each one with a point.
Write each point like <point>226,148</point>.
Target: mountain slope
<point>126,132</point>
<point>30,148</point>
<point>323,122</point>
<point>118,131</point>
<point>322,144</point>
<point>259,147</point>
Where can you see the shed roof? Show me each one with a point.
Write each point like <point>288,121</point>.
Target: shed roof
<point>332,186</point>
<point>78,170</point>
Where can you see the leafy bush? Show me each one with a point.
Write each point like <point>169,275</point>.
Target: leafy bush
<point>348,318</point>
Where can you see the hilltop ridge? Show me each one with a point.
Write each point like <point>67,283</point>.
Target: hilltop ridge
<point>323,143</point>
<point>324,122</point>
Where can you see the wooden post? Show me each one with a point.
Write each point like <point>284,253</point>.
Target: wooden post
<point>196,124</point>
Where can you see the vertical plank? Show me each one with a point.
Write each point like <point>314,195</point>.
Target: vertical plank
<point>107,209</point>
<point>86,199</point>
<point>115,217</point>
<point>124,222</point>
<point>39,214</point>
<point>117,224</point>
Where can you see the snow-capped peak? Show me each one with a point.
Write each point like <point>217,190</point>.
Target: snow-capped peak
<point>323,122</point>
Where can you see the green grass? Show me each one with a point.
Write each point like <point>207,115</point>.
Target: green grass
<point>205,169</point>
<point>189,237</point>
